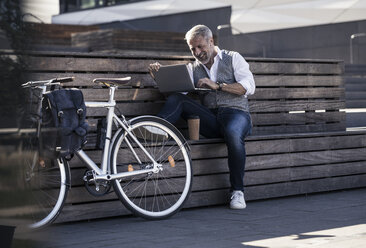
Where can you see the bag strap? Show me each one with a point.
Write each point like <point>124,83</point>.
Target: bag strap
<point>78,100</point>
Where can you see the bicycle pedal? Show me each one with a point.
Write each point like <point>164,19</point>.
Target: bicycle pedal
<point>42,163</point>
<point>88,176</point>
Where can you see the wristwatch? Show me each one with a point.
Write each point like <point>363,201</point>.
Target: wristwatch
<point>220,84</point>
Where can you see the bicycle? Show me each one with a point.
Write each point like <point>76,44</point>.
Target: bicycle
<point>147,161</point>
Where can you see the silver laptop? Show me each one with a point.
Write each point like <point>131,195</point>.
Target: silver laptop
<point>175,78</point>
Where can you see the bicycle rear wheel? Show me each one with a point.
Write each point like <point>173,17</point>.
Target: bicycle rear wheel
<point>47,183</point>
<point>154,195</point>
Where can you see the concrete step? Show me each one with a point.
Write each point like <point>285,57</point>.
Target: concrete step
<point>358,69</point>
<point>356,119</point>
<point>355,95</point>
<point>355,87</point>
<point>360,103</point>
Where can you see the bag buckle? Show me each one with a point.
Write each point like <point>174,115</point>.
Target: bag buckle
<point>60,113</point>
<point>80,111</point>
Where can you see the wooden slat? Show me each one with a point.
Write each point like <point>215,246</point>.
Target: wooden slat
<point>261,94</point>
<point>297,80</point>
<point>278,121</point>
<point>73,64</point>
<point>295,105</point>
<point>306,144</point>
<point>295,68</point>
<point>260,162</point>
<point>130,39</point>
<point>54,34</point>
<point>152,108</point>
<point>297,93</point>
<point>135,109</point>
<point>286,145</point>
<point>296,118</point>
<point>307,128</point>
<point>134,94</point>
<point>86,79</point>
<point>264,94</point>
<point>144,79</point>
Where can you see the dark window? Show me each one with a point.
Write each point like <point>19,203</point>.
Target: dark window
<point>75,5</point>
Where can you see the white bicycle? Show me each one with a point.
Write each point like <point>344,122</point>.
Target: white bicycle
<point>147,162</point>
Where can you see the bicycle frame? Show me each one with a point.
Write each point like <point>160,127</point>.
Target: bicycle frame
<point>125,139</point>
<point>104,171</point>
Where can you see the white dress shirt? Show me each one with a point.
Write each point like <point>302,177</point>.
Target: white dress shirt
<point>241,71</point>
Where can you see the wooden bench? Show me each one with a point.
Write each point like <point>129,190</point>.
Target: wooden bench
<point>55,34</point>
<point>299,143</point>
<point>61,37</point>
<point>119,39</point>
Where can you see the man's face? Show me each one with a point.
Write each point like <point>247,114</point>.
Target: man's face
<point>202,49</point>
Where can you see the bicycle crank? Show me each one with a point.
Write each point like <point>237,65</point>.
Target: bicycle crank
<point>96,187</point>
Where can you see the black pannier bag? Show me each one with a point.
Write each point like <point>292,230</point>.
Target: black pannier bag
<point>64,110</point>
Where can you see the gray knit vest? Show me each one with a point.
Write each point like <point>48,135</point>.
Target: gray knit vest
<point>225,74</point>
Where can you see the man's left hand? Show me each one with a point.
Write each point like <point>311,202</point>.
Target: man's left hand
<point>207,83</point>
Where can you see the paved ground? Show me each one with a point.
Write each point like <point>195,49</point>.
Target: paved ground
<point>327,220</point>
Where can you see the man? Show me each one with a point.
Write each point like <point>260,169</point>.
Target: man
<point>224,111</point>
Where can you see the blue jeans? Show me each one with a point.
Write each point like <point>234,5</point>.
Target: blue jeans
<point>231,124</point>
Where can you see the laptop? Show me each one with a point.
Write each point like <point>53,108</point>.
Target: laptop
<point>175,78</point>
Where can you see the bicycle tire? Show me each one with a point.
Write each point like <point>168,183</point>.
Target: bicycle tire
<point>154,195</point>
<point>45,178</point>
<point>47,185</point>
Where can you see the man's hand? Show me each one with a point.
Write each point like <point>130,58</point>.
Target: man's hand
<point>234,88</point>
<point>154,67</point>
<point>207,83</point>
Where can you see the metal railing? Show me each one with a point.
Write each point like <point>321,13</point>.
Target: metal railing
<point>352,37</point>
<point>249,37</point>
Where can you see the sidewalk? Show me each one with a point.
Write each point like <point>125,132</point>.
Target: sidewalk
<point>327,220</point>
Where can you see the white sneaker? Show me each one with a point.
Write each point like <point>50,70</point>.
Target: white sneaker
<point>237,200</point>
<point>151,133</point>
<point>155,130</point>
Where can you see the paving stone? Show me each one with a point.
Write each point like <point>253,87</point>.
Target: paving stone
<point>300,220</point>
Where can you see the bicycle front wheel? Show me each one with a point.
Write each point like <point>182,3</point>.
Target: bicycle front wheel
<point>47,182</point>
<point>159,194</point>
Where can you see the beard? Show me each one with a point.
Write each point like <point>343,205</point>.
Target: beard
<point>203,58</point>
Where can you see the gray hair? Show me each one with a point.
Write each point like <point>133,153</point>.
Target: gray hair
<point>198,30</point>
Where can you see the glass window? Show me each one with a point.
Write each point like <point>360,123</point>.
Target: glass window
<point>75,5</point>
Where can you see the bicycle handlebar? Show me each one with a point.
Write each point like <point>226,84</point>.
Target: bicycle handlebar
<point>64,79</point>
<point>53,81</point>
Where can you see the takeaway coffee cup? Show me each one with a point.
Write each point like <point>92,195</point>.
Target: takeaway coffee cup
<point>194,127</point>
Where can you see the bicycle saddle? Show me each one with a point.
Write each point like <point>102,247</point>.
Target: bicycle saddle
<point>113,81</point>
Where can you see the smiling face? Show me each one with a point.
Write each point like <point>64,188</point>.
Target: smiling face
<point>202,49</point>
